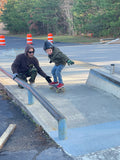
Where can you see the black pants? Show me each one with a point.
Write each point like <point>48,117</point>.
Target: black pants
<point>32,73</point>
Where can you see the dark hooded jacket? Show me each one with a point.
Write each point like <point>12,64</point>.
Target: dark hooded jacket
<point>23,63</point>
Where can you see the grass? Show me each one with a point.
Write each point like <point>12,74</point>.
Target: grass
<point>71,39</point>
<point>65,38</point>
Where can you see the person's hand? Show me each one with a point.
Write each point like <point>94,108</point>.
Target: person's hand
<point>48,79</point>
<point>69,62</point>
<point>14,75</point>
<point>50,61</point>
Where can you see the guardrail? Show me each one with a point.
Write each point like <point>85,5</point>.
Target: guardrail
<point>50,108</point>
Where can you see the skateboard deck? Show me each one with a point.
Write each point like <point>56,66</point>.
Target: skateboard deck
<point>58,90</point>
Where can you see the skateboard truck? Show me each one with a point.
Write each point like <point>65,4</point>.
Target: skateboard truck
<point>58,90</point>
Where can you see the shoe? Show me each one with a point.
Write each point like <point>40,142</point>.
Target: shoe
<point>60,85</point>
<point>53,83</point>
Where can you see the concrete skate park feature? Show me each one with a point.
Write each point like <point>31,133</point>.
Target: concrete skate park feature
<point>92,115</point>
<point>103,79</point>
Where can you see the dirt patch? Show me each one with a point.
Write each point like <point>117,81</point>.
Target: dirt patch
<point>28,135</point>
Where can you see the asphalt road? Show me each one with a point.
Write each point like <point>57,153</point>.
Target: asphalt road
<point>17,42</point>
<point>28,141</point>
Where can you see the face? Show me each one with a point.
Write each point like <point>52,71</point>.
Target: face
<point>31,53</point>
<point>49,51</point>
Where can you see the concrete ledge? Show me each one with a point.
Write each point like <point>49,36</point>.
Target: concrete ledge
<point>105,40</point>
<point>102,79</point>
<point>110,40</point>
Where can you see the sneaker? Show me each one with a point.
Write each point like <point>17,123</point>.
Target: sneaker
<point>53,83</point>
<point>60,85</point>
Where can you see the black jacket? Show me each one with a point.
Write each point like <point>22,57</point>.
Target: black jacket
<point>22,63</point>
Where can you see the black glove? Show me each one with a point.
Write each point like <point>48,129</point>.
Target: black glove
<point>15,75</point>
<point>50,61</point>
<point>48,79</point>
<point>69,62</point>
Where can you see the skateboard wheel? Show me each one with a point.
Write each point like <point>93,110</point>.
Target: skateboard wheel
<point>51,87</point>
<point>60,90</point>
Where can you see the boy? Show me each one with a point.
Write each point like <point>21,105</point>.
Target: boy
<point>60,60</point>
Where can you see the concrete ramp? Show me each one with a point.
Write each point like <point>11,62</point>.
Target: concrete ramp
<point>103,79</point>
<point>110,41</point>
<point>93,116</point>
<point>84,140</point>
<point>115,41</point>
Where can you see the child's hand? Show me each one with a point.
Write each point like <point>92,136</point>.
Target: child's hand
<point>69,62</point>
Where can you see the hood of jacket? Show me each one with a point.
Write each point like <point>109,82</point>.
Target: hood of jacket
<point>28,47</point>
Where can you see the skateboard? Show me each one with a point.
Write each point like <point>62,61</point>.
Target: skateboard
<point>58,90</point>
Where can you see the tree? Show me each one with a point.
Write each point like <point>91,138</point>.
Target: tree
<point>2,3</point>
<point>45,14</point>
<point>101,17</point>
<point>38,16</point>
<point>16,15</point>
<point>82,10</point>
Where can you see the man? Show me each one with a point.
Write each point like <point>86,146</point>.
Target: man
<point>27,65</point>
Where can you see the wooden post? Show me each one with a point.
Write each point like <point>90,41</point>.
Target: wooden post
<point>6,134</point>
